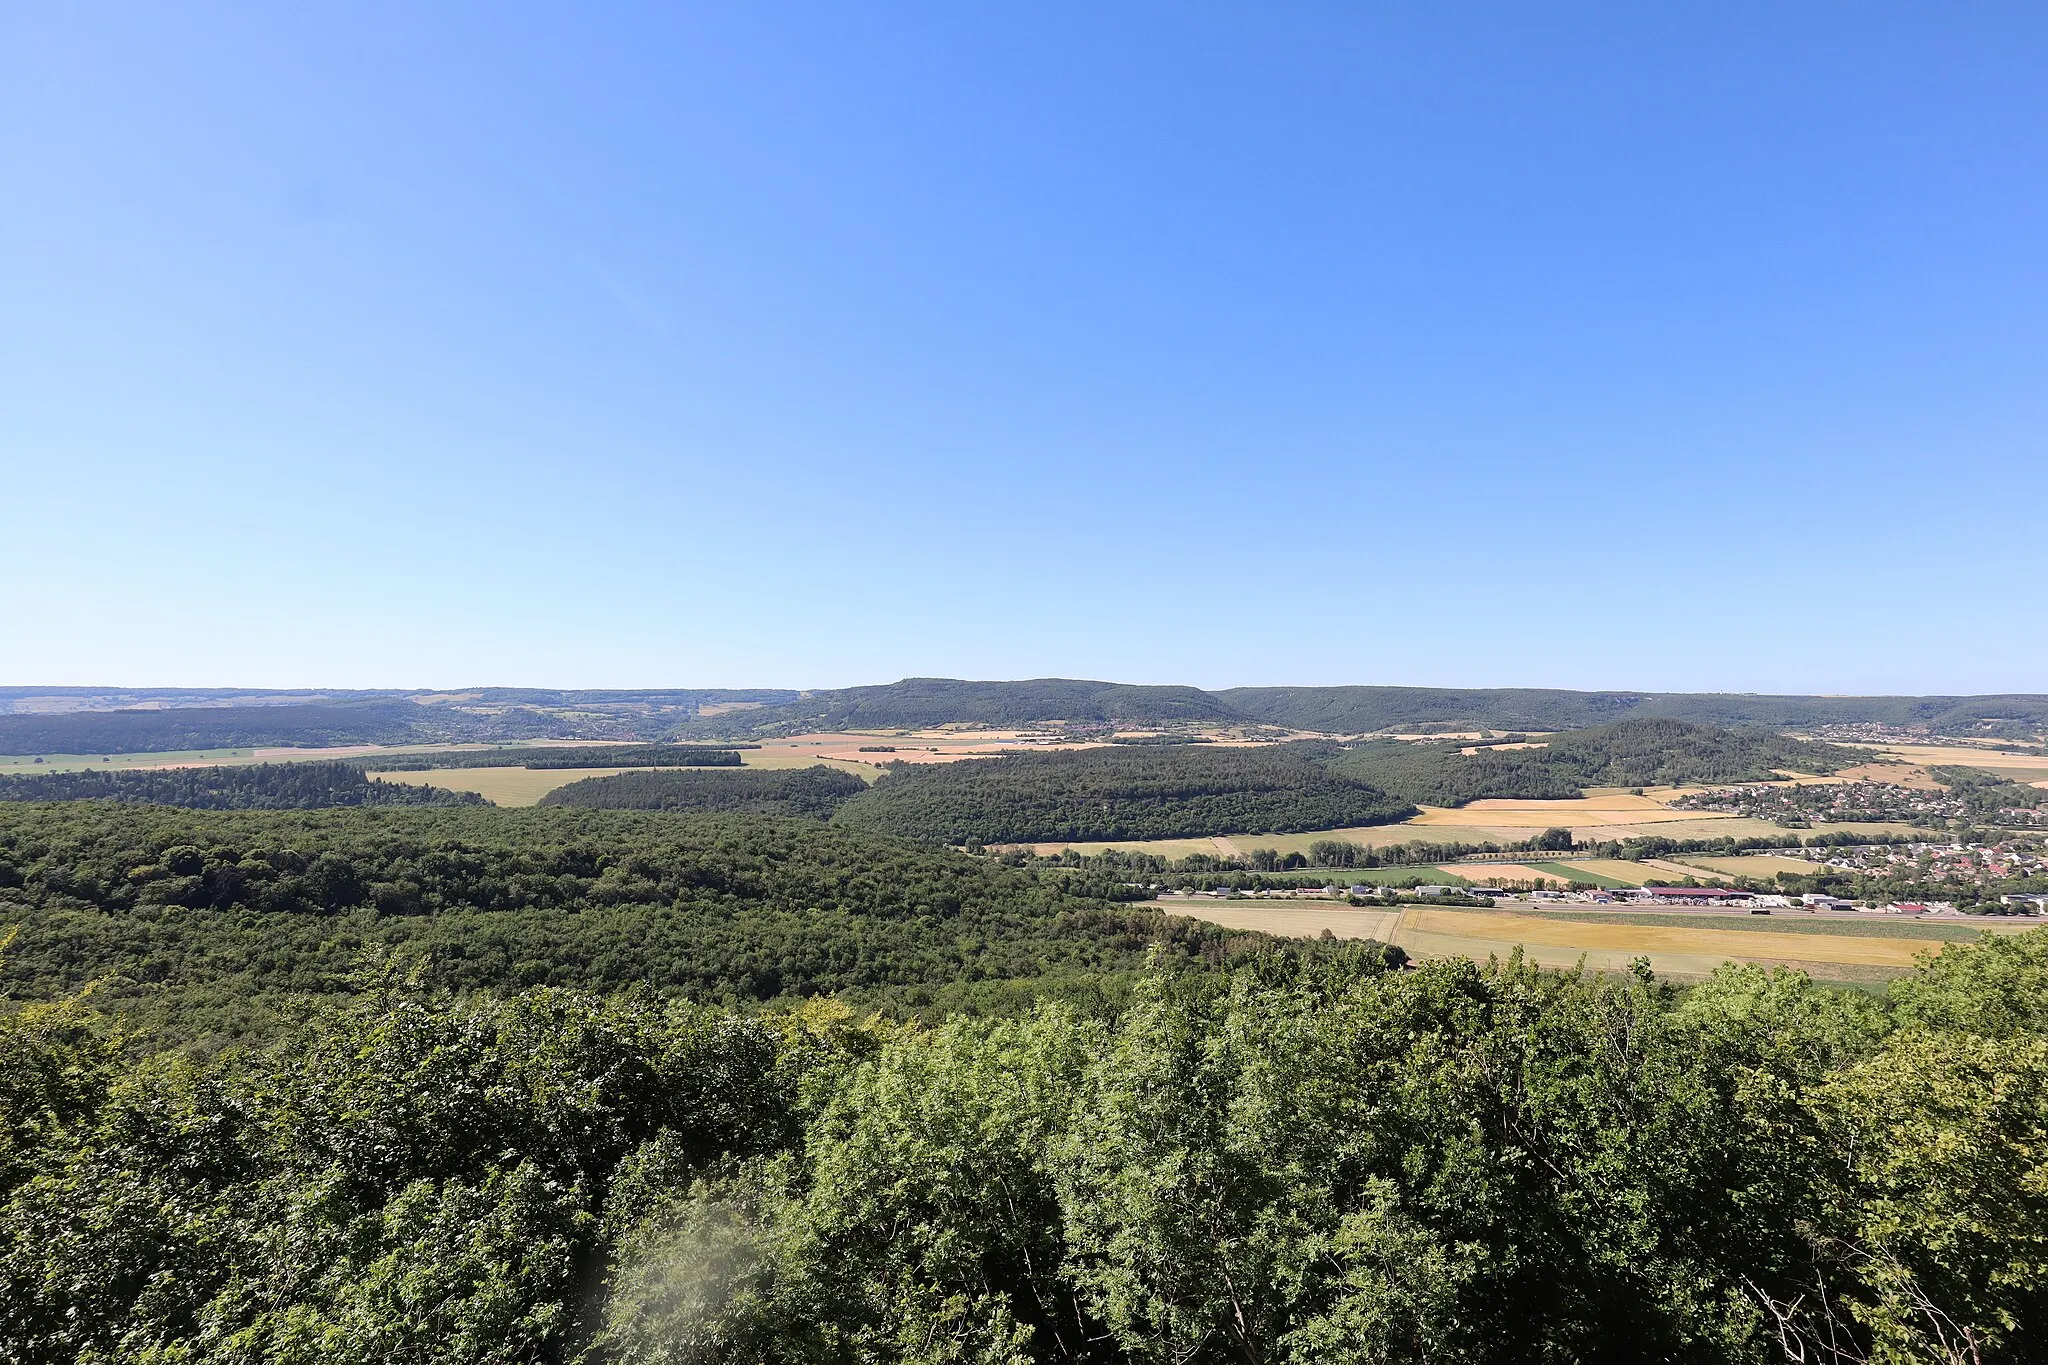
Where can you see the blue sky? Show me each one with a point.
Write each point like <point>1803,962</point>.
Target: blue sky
<point>1684,347</point>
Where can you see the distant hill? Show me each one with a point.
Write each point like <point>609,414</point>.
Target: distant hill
<point>1174,791</point>
<point>84,721</point>
<point>316,725</point>
<point>50,720</point>
<point>255,786</point>
<point>1363,710</point>
<point>1649,751</point>
<point>916,703</point>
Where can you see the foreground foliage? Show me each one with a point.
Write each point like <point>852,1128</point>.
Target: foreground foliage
<point>1308,1159</point>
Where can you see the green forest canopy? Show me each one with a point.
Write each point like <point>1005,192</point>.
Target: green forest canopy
<point>812,793</point>
<point>1629,753</point>
<point>205,921</point>
<point>254,786</point>
<point>1301,1160</point>
<point>1118,793</point>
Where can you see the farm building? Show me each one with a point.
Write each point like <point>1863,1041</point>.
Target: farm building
<point>1694,895</point>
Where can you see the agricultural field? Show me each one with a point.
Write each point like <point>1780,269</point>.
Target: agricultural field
<point>1606,871</point>
<point>1383,836</point>
<point>1763,866</point>
<point>1291,921</point>
<point>1514,872</point>
<point>1598,810</point>
<point>2017,767</point>
<point>526,786</point>
<point>1692,947</point>
<point>503,786</point>
<point>1585,872</point>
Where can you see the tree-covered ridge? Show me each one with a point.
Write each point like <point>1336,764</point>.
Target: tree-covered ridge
<point>202,921</point>
<point>1119,793</point>
<point>1306,1160</point>
<point>255,786</point>
<point>313,725</point>
<point>172,719</point>
<point>811,793</point>
<point>1364,710</point>
<point>916,703</point>
<point>559,756</point>
<point>1629,753</point>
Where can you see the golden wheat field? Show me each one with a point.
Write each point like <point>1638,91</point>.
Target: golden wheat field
<point>1763,866</point>
<point>1681,950</point>
<point>1584,812</point>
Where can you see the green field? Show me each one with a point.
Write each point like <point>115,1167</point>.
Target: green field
<point>1575,872</point>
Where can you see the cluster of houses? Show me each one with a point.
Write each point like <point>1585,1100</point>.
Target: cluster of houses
<point>1708,896</point>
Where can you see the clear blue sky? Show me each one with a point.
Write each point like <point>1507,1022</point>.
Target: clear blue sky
<point>1698,346</point>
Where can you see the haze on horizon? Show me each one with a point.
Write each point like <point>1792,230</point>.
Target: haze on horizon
<point>1603,348</point>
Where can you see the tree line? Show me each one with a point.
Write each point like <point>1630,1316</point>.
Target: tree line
<point>560,756</point>
<point>255,786</point>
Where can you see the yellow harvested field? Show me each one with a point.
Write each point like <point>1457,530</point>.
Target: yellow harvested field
<point>1674,950</point>
<point>1289,921</point>
<point>1619,869</point>
<point>1669,872</point>
<point>784,758</point>
<point>526,786</point>
<point>502,786</point>
<point>1760,865</point>
<point>1693,825</point>
<point>1680,950</point>
<point>1585,812</point>
<point>1897,774</point>
<point>1962,756</point>
<point>1721,944</point>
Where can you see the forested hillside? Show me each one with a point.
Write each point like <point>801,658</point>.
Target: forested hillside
<point>1629,753</point>
<point>481,714</point>
<point>812,793</point>
<point>315,725</point>
<point>255,786</point>
<point>915,703</point>
<point>203,921</point>
<point>559,756</point>
<point>1364,710</point>
<point>1307,1160</point>
<point>1139,792</point>
<point>518,714</point>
